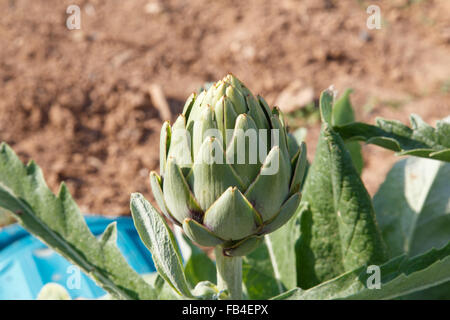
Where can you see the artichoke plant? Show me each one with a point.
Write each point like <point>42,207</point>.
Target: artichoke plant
<point>204,188</point>
<point>231,199</point>
<point>230,173</point>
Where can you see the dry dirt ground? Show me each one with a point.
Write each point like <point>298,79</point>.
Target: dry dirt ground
<point>78,101</point>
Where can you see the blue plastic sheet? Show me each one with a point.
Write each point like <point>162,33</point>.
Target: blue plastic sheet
<point>26,264</point>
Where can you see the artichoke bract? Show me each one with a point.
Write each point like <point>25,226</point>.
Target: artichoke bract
<point>230,173</point>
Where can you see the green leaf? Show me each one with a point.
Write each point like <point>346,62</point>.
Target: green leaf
<point>326,105</point>
<point>439,292</point>
<point>398,277</point>
<point>420,140</point>
<point>295,140</point>
<point>260,273</point>
<point>281,246</point>
<point>57,221</point>
<point>197,265</point>
<point>413,206</point>
<point>413,210</point>
<point>337,220</point>
<point>159,239</point>
<point>343,114</point>
<point>342,110</point>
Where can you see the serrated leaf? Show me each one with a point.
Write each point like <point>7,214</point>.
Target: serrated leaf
<point>197,265</point>
<point>343,114</point>
<point>159,239</point>
<point>57,221</point>
<point>337,220</point>
<point>399,276</point>
<point>420,140</point>
<point>413,210</point>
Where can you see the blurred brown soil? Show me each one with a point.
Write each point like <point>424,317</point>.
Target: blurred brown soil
<point>78,101</point>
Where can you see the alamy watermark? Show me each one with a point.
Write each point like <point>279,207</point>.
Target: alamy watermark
<point>374,20</point>
<point>73,21</point>
<point>374,280</point>
<point>74,280</point>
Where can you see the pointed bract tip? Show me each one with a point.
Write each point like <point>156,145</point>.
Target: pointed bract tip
<point>153,173</point>
<point>332,91</point>
<point>136,195</point>
<point>63,191</point>
<point>32,167</point>
<point>276,110</point>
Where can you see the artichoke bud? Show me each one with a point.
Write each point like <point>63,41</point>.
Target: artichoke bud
<point>229,172</point>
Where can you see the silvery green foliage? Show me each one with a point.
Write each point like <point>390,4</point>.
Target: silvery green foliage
<point>193,279</point>
<point>198,266</point>
<point>413,206</point>
<point>421,140</point>
<point>57,221</point>
<point>413,210</point>
<point>159,239</point>
<point>203,187</point>
<point>338,231</point>
<point>399,276</point>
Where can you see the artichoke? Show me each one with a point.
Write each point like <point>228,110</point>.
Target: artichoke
<point>217,166</point>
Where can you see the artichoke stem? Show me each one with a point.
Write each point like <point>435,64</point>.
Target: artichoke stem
<point>229,274</point>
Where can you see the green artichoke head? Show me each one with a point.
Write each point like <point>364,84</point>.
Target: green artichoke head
<point>230,173</point>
